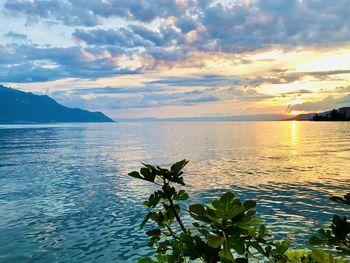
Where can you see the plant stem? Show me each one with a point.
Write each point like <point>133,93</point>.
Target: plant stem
<point>171,232</point>
<point>178,219</point>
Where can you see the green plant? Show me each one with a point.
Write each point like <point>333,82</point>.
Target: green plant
<point>338,234</point>
<point>311,256</point>
<point>226,230</point>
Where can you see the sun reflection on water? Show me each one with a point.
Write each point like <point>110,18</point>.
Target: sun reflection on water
<point>294,136</point>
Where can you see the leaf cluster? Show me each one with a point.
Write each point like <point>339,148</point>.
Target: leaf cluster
<point>233,228</point>
<point>227,230</point>
<point>338,233</point>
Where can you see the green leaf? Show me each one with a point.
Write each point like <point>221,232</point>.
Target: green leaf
<point>153,240</point>
<point>191,246</point>
<point>163,246</point>
<point>282,247</point>
<point>153,232</point>
<point>258,247</point>
<point>177,167</point>
<point>146,260</point>
<point>135,174</point>
<point>226,201</point>
<point>342,200</point>
<point>197,209</point>
<point>198,212</point>
<point>340,227</point>
<point>241,260</point>
<point>314,240</point>
<point>149,166</point>
<point>215,241</point>
<point>249,204</point>
<point>237,244</point>
<point>226,255</point>
<point>204,232</point>
<point>145,220</point>
<point>262,231</point>
<point>163,258</point>
<point>147,174</point>
<point>153,200</point>
<point>321,256</point>
<point>181,195</point>
<point>234,211</point>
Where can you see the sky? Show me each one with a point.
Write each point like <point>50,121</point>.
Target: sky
<point>179,58</point>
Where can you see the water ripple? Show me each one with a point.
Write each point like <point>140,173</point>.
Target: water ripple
<point>65,196</point>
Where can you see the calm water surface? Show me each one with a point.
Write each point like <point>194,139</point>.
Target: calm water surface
<point>65,196</point>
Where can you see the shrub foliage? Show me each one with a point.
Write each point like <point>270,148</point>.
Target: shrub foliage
<point>227,230</point>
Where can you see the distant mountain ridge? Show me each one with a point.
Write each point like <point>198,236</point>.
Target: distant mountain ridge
<point>257,117</point>
<point>310,116</point>
<point>302,117</point>
<point>25,107</point>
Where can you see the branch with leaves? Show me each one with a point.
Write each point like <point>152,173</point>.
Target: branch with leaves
<point>338,234</point>
<point>227,230</point>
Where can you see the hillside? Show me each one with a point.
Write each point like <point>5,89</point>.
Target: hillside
<point>341,114</point>
<point>25,107</point>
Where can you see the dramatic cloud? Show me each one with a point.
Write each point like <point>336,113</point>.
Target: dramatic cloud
<point>30,63</point>
<point>122,38</point>
<point>158,53</point>
<point>185,27</point>
<point>323,105</point>
<point>90,12</point>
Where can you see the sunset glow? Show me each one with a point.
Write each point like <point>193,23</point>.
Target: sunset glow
<point>179,58</point>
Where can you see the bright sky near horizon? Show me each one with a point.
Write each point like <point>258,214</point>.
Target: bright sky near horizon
<point>179,58</point>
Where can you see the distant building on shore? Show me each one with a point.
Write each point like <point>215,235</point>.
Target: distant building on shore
<point>345,111</point>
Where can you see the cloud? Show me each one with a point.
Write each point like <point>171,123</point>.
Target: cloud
<point>112,98</point>
<point>186,23</point>
<point>65,11</point>
<point>243,27</point>
<point>182,28</point>
<point>90,12</point>
<point>298,92</point>
<point>15,36</point>
<point>114,90</point>
<point>121,38</point>
<point>186,52</point>
<point>8,58</point>
<point>201,80</point>
<point>239,26</point>
<point>31,63</point>
<point>342,89</point>
<point>130,37</point>
<point>326,104</point>
<point>285,76</point>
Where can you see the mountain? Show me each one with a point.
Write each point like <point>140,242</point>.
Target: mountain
<point>307,116</point>
<point>258,117</point>
<point>25,107</point>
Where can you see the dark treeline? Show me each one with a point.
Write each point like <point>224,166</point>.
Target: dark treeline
<point>334,115</point>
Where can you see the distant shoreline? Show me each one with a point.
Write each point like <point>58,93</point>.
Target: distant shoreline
<point>161,121</point>
<point>61,122</point>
